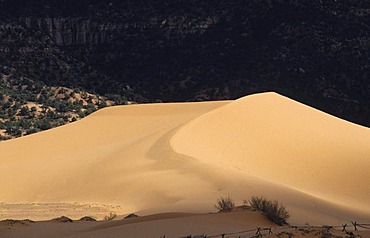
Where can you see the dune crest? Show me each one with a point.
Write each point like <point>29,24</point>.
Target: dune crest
<point>275,138</point>
<point>181,157</point>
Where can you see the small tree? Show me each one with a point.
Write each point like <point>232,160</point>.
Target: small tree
<point>225,204</point>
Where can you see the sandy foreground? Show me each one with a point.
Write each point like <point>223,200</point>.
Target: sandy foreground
<point>178,159</point>
<point>234,224</point>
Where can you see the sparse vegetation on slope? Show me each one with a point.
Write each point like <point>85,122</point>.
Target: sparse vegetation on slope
<point>274,211</point>
<point>225,204</point>
<point>28,106</point>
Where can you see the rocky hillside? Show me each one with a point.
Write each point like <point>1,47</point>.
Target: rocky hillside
<point>315,51</point>
<point>27,107</point>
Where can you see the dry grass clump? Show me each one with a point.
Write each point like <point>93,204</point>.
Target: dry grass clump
<point>225,204</point>
<point>274,211</point>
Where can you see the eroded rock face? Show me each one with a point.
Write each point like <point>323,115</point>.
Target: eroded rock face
<point>85,31</point>
<point>74,31</point>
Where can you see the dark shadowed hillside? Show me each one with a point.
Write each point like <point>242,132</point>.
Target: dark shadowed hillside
<point>316,51</point>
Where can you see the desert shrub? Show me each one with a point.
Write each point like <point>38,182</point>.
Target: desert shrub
<point>110,217</point>
<point>274,211</point>
<point>81,114</point>
<point>225,204</point>
<point>132,215</point>
<point>63,219</point>
<point>43,124</point>
<point>14,131</point>
<point>102,103</point>
<point>24,111</point>
<point>87,218</point>
<point>31,131</point>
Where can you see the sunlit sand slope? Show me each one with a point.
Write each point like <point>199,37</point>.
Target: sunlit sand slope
<point>101,159</point>
<point>183,156</point>
<point>277,139</point>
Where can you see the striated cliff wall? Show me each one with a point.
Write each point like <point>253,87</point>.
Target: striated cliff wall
<point>74,31</point>
<point>85,31</point>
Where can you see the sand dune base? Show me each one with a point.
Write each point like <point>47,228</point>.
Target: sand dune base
<point>239,223</point>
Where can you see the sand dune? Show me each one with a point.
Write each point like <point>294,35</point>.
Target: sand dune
<point>183,156</point>
<point>280,140</point>
<point>157,225</point>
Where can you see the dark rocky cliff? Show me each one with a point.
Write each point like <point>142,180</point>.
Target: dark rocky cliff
<point>73,31</point>
<point>85,31</point>
<point>316,51</point>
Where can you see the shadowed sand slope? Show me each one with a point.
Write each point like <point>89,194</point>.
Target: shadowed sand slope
<point>157,225</point>
<point>183,156</point>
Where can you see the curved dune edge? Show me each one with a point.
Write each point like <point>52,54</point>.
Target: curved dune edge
<point>279,140</point>
<point>183,156</point>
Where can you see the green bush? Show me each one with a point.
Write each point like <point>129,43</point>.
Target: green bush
<point>274,211</point>
<point>225,204</point>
